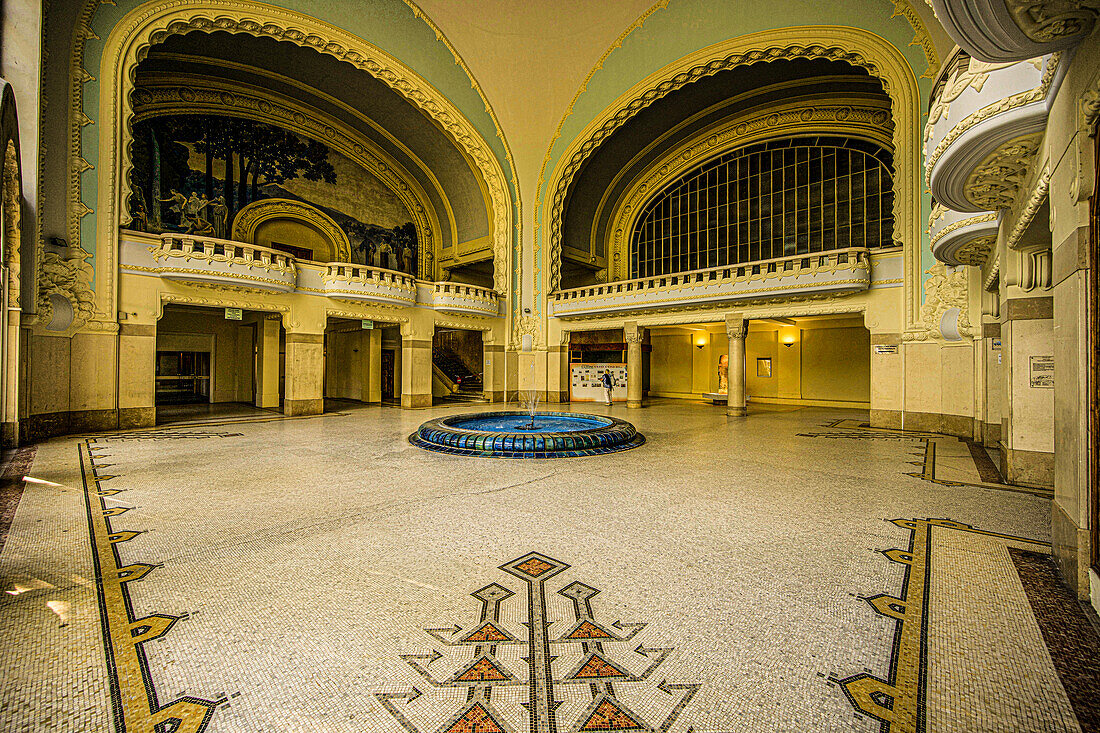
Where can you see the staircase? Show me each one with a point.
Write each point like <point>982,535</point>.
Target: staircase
<point>469,387</point>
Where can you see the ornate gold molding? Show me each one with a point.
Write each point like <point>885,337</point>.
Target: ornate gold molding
<point>1031,207</point>
<point>191,94</point>
<point>251,216</point>
<point>149,24</point>
<point>921,36</point>
<point>1005,104</point>
<point>976,250</point>
<point>855,117</point>
<point>852,45</point>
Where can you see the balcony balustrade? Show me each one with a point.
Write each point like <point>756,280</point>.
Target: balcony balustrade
<point>349,281</point>
<point>209,260</point>
<point>837,271</point>
<point>465,299</point>
<point>963,239</point>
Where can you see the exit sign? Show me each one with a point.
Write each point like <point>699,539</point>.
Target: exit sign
<point>368,324</point>
<point>233,314</point>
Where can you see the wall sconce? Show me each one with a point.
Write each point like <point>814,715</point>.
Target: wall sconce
<point>700,343</point>
<point>788,341</point>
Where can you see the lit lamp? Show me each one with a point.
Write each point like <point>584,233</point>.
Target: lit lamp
<point>700,342</point>
<point>788,336</point>
<point>788,341</point>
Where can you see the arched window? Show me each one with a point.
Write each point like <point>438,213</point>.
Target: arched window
<point>783,197</point>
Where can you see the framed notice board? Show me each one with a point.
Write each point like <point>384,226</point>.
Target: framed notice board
<point>585,384</point>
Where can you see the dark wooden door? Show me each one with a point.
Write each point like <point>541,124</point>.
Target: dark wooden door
<point>387,374</point>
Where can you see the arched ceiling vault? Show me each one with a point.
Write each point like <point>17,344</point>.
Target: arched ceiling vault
<point>348,96</point>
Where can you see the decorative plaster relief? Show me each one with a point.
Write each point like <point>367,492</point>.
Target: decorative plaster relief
<point>996,181</point>
<point>1047,21</point>
<point>943,291</point>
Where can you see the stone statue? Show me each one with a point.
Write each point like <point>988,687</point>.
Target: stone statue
<point>723,374</point>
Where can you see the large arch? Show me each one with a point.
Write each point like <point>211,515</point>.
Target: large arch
<point>147,25</point>
<point>862,48</point>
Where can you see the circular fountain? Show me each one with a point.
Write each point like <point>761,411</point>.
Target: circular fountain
<point>513,434</point>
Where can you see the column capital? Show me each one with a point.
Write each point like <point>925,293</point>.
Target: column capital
<point>736,325</point>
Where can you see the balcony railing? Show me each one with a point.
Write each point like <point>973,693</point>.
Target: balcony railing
<point>463,298</point>
<point>838,271</point>
<point>349,281</point>
<point>205,259</point>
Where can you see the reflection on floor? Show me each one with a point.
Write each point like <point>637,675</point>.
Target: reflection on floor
<point>731,574</point>
<point>175,414</point>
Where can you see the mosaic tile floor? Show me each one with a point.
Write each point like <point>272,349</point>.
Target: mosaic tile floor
<point>795,570</point>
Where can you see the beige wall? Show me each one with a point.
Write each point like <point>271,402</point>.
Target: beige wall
<point>229,344</point>
<point>828,361</point>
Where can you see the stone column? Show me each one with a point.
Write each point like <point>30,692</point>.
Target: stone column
<point>633,335</point>
<point>416,372</point>
<point>267,363</point>
<point>137,356</point>
<point>735,330</point>
<point>304,374</point>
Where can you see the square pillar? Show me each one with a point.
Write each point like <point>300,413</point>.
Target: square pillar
<point>267,363</point>
<point>371,349</point>
<point>137,356</point>
<point>493,377</point>
<point>416,373</point>
<point>304,374</point>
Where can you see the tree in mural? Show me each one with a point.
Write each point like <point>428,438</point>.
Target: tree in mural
<point>253,154</point>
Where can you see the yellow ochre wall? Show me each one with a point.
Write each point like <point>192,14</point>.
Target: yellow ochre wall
<point>231,358</point>
<point>827,363</point>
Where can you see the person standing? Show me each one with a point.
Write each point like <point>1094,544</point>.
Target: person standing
<point>608,384</point>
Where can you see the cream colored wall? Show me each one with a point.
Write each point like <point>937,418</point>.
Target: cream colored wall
<point>836,364</point>
<point>296,233</point>
<point>761,345</point>
<point>671,365</point>
<point>192,331</point>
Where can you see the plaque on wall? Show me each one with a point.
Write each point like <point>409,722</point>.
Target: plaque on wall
<point>886,348</point>
<point>1042,372</point>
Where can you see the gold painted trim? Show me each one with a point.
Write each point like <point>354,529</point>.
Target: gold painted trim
<point>249,219</point>
<point>971,221</point>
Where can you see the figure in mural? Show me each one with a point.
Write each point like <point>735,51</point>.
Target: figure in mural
<point>723,374</point>
<point>192,212</point>
<point>178,202</point>
<point>219,215</point>
<point>139,212</point>
<point>384,256</point>
<point>216,165</point>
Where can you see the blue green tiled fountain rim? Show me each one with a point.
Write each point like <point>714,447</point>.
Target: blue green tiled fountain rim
<point>594,435</point>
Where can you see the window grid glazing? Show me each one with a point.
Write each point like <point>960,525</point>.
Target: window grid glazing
<point>781,198</point>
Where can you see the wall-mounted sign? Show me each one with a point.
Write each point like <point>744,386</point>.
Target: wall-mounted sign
<point>886,348</point>
<point>1042,372</point>
<point>586,385</point>
<point>996,344</point>
<point>367,325</point>
<point>233,314</point>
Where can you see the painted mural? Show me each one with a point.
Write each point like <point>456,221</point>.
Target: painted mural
<point>194,173</point>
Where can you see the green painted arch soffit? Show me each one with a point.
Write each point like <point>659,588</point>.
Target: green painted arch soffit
<point>683,27</point>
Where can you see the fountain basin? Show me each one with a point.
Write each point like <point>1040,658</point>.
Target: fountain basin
<point>507,434</point>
